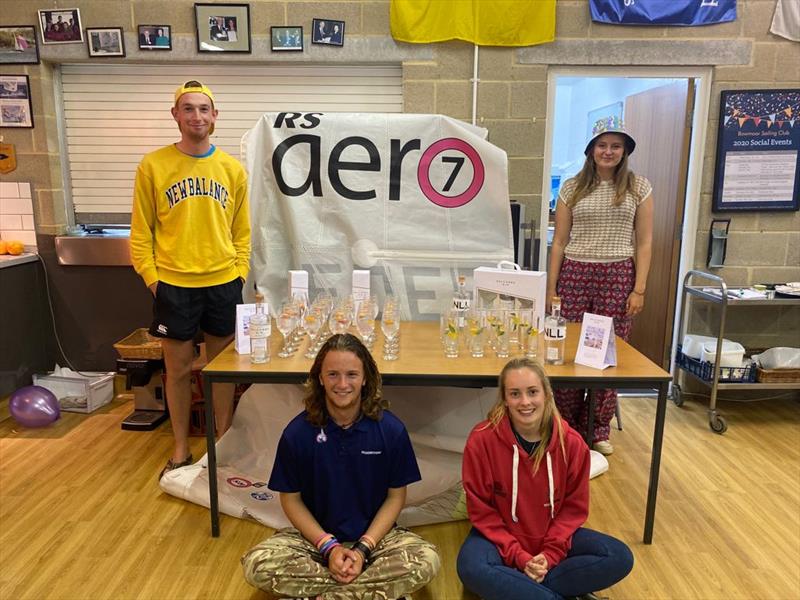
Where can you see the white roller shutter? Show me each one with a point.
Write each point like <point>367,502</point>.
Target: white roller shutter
<point>114,114</point>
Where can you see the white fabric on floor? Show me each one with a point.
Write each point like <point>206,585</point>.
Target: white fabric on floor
<point>245,454</point>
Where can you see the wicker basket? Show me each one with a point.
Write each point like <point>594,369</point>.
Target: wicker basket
<point>139,344</point>
<point>778,375</point>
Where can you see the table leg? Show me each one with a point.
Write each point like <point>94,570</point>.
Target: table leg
<point>211,449</point>
<point>590,418</point>
<point>655,462</point>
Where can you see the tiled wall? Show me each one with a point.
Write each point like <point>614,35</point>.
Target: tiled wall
<point>16,213</point>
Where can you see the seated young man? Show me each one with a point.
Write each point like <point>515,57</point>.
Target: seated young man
<point>342,468</point>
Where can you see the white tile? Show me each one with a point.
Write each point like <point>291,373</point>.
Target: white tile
<point>9,189</point>
<point>26,237</point>
<point>11,222</point>
<point>27,223</point>
<point>24,190</point>
<point>16,206</point>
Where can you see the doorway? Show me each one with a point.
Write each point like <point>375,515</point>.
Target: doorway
<point>658,108</point>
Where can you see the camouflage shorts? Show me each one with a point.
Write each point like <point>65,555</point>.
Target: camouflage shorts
<point>288,565</point>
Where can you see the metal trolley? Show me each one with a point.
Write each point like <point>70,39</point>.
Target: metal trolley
<point>712,375</point>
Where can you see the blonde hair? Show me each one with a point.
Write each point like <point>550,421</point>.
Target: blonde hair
<point>551,418</point>
<point>587,179</point>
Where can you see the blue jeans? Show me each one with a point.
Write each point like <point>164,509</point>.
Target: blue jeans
<point>595,561</point>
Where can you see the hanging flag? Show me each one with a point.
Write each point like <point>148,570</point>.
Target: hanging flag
<point>663,12</point>
<point>482,22</point>
<point>786,20</point>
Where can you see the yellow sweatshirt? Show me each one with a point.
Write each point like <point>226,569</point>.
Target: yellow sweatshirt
<point>190,224</point>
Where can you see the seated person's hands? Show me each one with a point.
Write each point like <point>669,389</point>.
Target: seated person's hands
<point>537,568</point>
<point>345,564</point>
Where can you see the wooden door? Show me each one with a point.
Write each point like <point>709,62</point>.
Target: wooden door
<point>659,121</point>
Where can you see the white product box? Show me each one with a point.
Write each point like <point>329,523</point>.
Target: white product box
<point>298,283</point>
<point>243,314</point>
<point>360,284</point>
<point>79,393</point>
<point>527,288</point>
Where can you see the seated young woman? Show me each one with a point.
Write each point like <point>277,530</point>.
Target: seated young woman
<point>526,478</point>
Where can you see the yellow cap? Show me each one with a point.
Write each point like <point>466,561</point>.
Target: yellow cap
<point>193,87</point>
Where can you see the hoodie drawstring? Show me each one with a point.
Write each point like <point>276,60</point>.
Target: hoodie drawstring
<point>550,486</point>
<point>514,486</point>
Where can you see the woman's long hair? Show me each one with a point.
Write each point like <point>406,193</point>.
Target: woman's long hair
<point>551,418</point>
<point>587,179</point>
<point>372,401</point>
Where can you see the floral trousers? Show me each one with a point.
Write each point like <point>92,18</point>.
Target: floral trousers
<point>600,289</point>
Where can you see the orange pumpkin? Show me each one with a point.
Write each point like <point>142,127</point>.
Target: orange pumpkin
<point>3,247</point>
<point>15,247</point>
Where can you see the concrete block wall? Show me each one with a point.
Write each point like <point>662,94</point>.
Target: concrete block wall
<point>512,92</point>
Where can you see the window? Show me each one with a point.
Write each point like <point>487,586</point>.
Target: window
<point>114,114</point>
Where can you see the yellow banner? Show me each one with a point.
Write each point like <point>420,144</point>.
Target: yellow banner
<point>482,22</point>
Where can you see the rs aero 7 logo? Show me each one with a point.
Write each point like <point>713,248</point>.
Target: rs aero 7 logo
<point>446,156</point>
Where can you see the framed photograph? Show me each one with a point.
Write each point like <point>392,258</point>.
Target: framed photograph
<point>223,27</point>
<point>105,41</point>
<point>758,151</point>
<point>61,26</point>
<point>327,31</point>
<point>155,37</point>
<point>15,101</point>
<point>18,45</point>
<point>287,39</point>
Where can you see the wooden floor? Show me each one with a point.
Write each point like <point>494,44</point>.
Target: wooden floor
<point>82,517</point>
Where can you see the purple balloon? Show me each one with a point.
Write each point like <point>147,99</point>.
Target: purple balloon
<point>34,406</point>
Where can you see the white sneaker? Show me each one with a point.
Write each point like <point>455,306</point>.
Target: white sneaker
<point>605,448</point>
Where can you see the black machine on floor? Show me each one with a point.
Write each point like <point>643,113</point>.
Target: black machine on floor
<point>144,377</point>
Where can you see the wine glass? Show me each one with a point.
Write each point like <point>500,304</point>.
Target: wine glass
<point>341,318</point>
<point>365,321</point>
<point>390,325</point>
<point>313,323</point>
<point>286,321</point>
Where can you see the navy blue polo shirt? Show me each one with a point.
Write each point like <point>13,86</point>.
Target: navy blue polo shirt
<point>344,475</point>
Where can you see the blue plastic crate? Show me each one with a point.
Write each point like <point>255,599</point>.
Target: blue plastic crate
<point>705,370</point>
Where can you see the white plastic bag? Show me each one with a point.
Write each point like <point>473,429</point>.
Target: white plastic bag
<point>779,358</point>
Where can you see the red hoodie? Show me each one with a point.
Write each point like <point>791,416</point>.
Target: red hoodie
<point>525,513</point>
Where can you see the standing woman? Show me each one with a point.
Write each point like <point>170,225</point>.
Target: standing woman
<point>526,478</point>
<point>601,255</point>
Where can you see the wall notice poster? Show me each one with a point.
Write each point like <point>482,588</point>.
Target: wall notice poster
<point>758,151</point>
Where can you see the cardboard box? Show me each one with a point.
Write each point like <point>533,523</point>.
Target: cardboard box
<point>527,289</point>
<point>79,393</point>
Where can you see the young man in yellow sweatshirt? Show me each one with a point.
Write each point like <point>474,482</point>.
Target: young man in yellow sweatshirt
<point>190,243</point>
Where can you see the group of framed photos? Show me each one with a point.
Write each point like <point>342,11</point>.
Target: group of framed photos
<point>220,28</point>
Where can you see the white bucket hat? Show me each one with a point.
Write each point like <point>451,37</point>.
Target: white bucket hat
<point>610,125</point>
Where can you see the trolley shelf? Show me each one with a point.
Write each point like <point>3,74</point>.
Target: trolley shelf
<point>725,299</point>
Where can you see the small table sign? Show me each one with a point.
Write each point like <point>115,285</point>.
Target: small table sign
<point>597,346</point>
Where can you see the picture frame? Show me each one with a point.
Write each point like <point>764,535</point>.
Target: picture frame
<point>61,26</point>
<point>105,42</point>
<point>328,32</point>
<point>757,165</point>
<point>16,109</point>
<point>18,45</point>
<point>154,37</point>
<point>286,38</point>
<point>222,27</point>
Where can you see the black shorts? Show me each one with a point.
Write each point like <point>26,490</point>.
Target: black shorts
<point>178,312</point>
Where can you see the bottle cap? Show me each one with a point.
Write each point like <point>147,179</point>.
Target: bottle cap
<point>557,299</point>
<point>462,279</point>
<point>259,297</point>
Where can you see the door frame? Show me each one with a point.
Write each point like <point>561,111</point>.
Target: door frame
<point>696,160</point>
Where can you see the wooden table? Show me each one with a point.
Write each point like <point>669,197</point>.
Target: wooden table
<point>422,362</point>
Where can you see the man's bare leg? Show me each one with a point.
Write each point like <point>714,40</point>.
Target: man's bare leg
<point>222,392</point>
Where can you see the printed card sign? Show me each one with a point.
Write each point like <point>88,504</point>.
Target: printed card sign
<point>597,346</point>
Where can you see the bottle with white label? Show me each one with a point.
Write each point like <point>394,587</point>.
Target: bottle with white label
<point>461,301</point>
<point>555,335</point>
<point>259,333</point>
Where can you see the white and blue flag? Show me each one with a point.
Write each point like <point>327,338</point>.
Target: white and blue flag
<point>663,12</point>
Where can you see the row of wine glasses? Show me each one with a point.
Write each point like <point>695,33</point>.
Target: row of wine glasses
<point>328,315</point>
<point>502,330</point>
